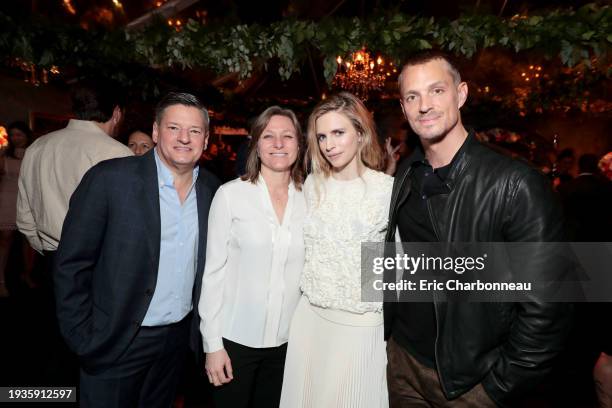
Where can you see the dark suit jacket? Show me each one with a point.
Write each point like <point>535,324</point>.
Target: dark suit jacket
<point>106,264</point>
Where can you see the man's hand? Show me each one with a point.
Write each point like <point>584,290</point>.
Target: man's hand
<point>218,368</point>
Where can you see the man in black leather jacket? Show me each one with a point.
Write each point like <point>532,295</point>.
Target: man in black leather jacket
<point>455,189</point>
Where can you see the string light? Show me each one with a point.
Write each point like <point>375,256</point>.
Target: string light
<point>34,74</point>
<point>69,7</point>
<point>177,24</point>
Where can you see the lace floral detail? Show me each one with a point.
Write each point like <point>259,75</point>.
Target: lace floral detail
<point>340,217</point>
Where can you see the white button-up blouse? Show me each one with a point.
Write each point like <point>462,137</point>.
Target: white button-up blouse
<point>250,286</point>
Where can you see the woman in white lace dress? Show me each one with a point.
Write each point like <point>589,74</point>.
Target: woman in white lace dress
<point>336,354</point>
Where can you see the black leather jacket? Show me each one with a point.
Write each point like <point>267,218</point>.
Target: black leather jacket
<point>505,346</point>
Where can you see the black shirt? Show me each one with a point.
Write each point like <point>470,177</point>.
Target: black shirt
<point>415,325</point>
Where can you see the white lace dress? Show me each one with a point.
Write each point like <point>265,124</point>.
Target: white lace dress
<point>336,354</point>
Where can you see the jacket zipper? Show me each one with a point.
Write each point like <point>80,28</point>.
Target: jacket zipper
<point>437,234</point>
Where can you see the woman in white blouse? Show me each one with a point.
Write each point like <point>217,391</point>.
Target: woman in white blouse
<point>254,260</point>
<point>336,355</point>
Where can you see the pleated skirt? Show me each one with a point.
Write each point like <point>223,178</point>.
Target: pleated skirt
<point>335,359</point>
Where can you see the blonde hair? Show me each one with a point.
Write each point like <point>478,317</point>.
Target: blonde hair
<point>370,152</point>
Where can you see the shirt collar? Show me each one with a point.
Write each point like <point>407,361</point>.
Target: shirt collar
<point>262,184</point>
<point>164,175</point>
<point>86,126</point>
<point>418,156</point>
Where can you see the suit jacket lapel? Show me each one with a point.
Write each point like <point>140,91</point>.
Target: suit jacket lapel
<point>148,173</point>
<point>203,199</point>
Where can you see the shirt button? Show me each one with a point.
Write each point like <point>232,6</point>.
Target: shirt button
<point>424,197</point>
<point>427,173</point>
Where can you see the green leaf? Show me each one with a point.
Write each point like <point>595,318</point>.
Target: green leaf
<point>588,35</point>
<point>566,52</point>
<point>329,68</point>
<point>46,58</point>
<point>402,29</point>
<point>535,20</point>
<point>386,38</point>
<point>424,44</point>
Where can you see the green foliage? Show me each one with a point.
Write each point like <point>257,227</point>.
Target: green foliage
<point>574,36</point>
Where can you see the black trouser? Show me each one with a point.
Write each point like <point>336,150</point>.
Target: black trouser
<point>258,377</point>
<point>146,375</point>
<point>60,365</point>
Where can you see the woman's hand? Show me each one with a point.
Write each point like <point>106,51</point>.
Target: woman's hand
<point>392,157</point>
<point>218,368</point>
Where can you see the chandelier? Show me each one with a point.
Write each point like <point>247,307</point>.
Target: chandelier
<point>33,73</point>
<point>362,74</point>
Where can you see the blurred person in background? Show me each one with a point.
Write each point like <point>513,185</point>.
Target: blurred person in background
<point>19,137</point>
<point>566,160</point>
<point>587,201</point>
<point>139,142</point>
<point>55,163</point>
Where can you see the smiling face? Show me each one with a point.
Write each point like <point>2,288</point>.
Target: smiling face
<point>431,99</point>
<point>181,137</point>
<point>278,145</point>
<point>339,142</point>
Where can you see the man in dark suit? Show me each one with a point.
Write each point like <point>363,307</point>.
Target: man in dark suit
<point>130,262</point>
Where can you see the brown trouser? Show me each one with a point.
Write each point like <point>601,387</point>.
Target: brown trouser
<point>411,384</point>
